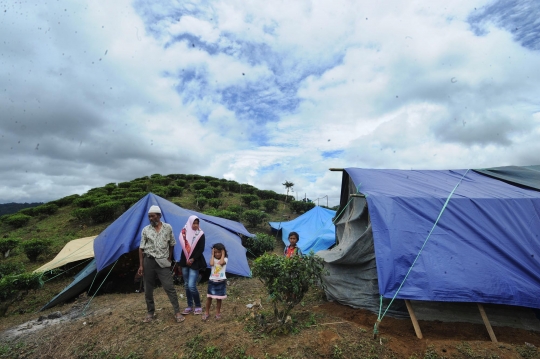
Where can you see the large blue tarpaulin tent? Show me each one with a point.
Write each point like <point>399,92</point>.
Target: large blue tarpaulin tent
<point>124,236</point>
<point>315,228</point>
<point>449,236</point>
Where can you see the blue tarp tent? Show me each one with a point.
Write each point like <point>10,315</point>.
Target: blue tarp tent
<point>124,236</point>
<point>315,227</point>
<point>482,236</point>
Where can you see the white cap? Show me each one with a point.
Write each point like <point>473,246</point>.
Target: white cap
<point>154,209</point>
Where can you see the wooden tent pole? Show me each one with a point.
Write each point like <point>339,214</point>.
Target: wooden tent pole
<point>413,319</point>
<point>487,323</point>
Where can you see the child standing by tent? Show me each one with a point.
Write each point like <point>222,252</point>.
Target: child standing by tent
<point>217,283</point>
<point>292,249</point>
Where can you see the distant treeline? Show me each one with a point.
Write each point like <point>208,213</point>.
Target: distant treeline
<point>9,208</point>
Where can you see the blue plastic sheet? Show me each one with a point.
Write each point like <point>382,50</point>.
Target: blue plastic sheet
<point>315,228</point>
<point>485,247</point>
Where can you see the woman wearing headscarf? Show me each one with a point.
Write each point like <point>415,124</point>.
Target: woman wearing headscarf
<point>191,261</point>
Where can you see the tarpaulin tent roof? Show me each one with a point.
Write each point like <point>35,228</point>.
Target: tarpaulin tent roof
<point>124,236</point>
<point>315,228</point>
<point>484,247</point>
<point>75,250</point>
<point>527,176</point>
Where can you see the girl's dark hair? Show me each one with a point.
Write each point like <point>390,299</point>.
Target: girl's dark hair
<point>219,247</point>
<point>295,234</point>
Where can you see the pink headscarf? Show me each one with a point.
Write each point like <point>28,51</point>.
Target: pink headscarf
<point>191,236</point>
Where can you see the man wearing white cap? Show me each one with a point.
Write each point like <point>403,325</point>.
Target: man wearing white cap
<point>155,254</point>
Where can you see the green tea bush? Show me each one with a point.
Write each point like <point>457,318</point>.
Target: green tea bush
<point>217,191</point>
<point>34,248</point>
<point>255,205</point>
<point>210,178</point>
<point>254,217</point>
<point>206,193</point>
<point>46,209</point>
<point>175,191</point>
<point>247,188</point>
<point>223,214</point>
<point>31,211</point>
<point>110,187</point>
<point>198,185</point>
<point>270,205</point>
<point>161,191</point>
<point>300,206</point>
<point>287,280</point>
<point>81,213</point>
<point>11,285</point>
<point>215,203</point>
<point>235,208</point>
<point>124,185</point>
<point>65,201</point>
<point>232,186</point>
<point>200,202</point>
<point>215,183</point>
<point>98,191</point>
<point>105,212</point>
<point>11,269</point>
<point>248,198</point>
<point>265,194</point>
<point>259,244</point>
<point>7,244</point>
<point>180,182</point>
<point>17,220</point>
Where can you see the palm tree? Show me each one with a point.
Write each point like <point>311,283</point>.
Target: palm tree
<point>288,185</point>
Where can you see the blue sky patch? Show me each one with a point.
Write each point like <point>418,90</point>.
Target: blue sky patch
<point>332,154</point>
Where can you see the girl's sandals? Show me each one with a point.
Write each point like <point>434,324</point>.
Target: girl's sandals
<point>187,311</point>
<point>179,318</point>
<point>205,317</point>
<point>198,311</point>
<point>218,316</point>
<point>148,318</point>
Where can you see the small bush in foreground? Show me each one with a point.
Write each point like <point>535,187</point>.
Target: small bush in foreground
<point>11,269</point>
<point>34,248</point>
<point>287,280</point>
<point>259,244</point>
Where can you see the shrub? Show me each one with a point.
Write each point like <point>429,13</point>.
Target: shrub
<point>31,211</point>
<point>47,209</point>
<point>161,191</point>
<point>232,186</point>
<point>88,201</point>
<point>215,183</point>
<point>217,191</point>
<point>34,248</point>
<point>110,187</point>
<point>235,208</point>
<point>139,186</point>
<point>17,220</point>
<point>81,213</point>
<point>223,214</point>
<point>301,206</point>
<point>270,205</point>
<point>254,217</point>
<point>259,244</point>
<point>198,185</point>
<point>215,203</point>
<point>287,280</point>
<point>264,194</point>
<point>160,180</point>
<point>206,193</point>
<point>201,202</point>
<point>64,201</point>
<point>7,244</point>
<point>254,204</point>
<point>249,189</point>
<point>104,212</point>
<point>210,178</point>
<point>98,191</point>
<point>175,191</point>
<point>248,198</point>
<point>11,268</point>
<point>11,285</point>
<point>124,185</point>
<point>181,182</point>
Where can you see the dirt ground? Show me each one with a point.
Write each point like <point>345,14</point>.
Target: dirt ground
<point>111,327</point>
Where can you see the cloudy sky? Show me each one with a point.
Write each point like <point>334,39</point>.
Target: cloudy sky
<point>262,91</point>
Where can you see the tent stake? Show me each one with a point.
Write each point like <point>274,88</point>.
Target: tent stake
<point>413,319</point>
<point>486,323</point>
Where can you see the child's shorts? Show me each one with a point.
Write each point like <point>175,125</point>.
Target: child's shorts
<point>217,289</point>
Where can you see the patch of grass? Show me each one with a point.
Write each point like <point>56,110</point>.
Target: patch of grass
<point>528,351</point>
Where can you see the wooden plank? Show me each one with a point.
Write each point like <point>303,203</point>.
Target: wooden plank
<point>413,319</point>
<point>487,323</point>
